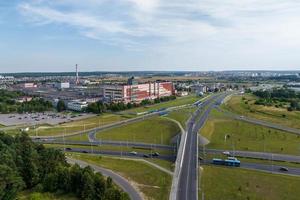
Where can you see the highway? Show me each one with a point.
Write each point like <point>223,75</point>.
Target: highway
<point>108,142</point>
<point>118,153</point>
<point>258,155</point>
<point>269,168</point>
<point>119,180</point>
<point>187,188</point>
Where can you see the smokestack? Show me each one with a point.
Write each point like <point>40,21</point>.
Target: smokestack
<point>77,76</point>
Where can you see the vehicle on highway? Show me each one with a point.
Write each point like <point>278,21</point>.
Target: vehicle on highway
<point>146,156</point>
<point>133,153</point>
<point>155,154</point>
<point>285,169</point>
<point>68,149</point>
<point>226,162</point>
<point>84,151</point>
<point>226,153</point>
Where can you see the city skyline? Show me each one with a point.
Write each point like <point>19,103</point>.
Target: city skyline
<point>152,35</point>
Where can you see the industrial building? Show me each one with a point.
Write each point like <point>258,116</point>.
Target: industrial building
<point>134,92</point>
<point>77,105</point>
<point>62,85</point>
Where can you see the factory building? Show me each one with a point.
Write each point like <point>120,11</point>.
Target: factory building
<point>77,105</point>
<point>134,92</point>
<point>62,85</point>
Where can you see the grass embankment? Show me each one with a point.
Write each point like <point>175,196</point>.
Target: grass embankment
<point>157,130</point>
<point>248,137</point>
<point>239,184</point>
<point>75,126</point>
<point>152,182</point>
<point>244,105</point>
<point>182,115</point>
<point>29,195</point>
<point>112,148</point>
<point>179,101</point>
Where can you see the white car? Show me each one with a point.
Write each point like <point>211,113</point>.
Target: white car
<point>226,153</point>
<point>133,153</point>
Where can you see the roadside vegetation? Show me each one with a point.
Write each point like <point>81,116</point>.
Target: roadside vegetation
<point>179,101</point>
<point>182,115</point>
<point>247,105</point>
<point>30,195</point>
<point>240,184</point>
<point>9,103</point>
<point>25,165</point>
<point>230,134</point>
<point>157,130</point>
<point>100,107</point>
<point>152,182</point>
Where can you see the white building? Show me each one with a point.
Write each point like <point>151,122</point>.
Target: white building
<point>77,105</point>
<point>63,85</point>
<point>29,85</point>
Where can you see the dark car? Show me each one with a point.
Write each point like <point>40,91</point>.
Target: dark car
<point>84,151</point>
<point>68,149</point>
<point>146,156</point>
<point>155,154</point>
<point>284,169</point>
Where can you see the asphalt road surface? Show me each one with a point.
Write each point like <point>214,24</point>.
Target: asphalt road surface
<point>258,155</point>
<point>119,153</point>
<point>275,169</point>
<point>108,142</point>
<point>119,180</point>
<point>188,177</point>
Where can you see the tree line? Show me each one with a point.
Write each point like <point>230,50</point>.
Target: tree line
<point>25,165</point>
<point>282,95</point>
<point>9,104</point>
<point>101,107</point>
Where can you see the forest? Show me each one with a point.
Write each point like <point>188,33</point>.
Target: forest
<point>25,165</point>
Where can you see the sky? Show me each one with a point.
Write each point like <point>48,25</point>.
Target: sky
<point>130,35</point>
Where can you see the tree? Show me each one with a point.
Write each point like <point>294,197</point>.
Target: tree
<point>88,190</point>
<point>10,183</point>
<point>61,106</point>
<point>27,160</point>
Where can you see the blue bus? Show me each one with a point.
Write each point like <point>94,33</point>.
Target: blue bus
<point>228,162</point>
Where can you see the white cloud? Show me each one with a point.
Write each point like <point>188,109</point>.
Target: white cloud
<point>165,26</point>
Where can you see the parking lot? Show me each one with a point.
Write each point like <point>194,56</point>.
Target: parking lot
<point>40,118</point>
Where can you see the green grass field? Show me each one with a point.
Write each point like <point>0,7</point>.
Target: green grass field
<point>28,195</point>
<point>113,148</point>
<point>156,130</point>
<point>177,102</point>
<point>239,184</point>
<point>268,113</point>
<point>81,137</point>
<point>72,127</point>
<point>182,115</point>
<point>245,136</point>
<point>153,183</point>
